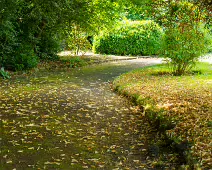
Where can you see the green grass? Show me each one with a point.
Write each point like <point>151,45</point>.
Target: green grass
<point>181,106</point>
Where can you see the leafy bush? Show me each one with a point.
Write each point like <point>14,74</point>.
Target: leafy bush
<point>183,48</point>
<point>208,38</point>
<point>24,58</point>
<point>7,40</point>
<point>185,39</point>
<point>130,38</point>
<point>48,46</point>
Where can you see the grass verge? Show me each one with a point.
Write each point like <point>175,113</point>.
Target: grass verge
<point>179,106</point>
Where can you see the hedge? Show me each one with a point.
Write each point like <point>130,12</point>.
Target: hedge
<point>130,38</point>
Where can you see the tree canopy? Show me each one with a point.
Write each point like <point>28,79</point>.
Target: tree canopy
<point>35,29</point>
<point>38,26</point>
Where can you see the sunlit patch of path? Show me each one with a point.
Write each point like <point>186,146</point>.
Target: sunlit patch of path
<point>72,120</point>
<point>206,58</point>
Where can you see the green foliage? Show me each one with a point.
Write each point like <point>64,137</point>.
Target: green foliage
<point>4,74</point>
<point>77,62</point>
<point>135,13</point>
<point>130,38</point>
<point>48,47</point>
<point>7,40</point>
<point>208,38</point>
<point>184,41</point>
<point>23,58</point>
<point>77,39</point>
<point>41,25</point>
<point>182,48</point>
<point>105,14</point>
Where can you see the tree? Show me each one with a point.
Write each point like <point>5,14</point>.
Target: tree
<point>77,39</point>
<point>37,27</point>
<point>7,28</point>
<point>100,15</point>
<point>184,38</point>
<point>184,41</point>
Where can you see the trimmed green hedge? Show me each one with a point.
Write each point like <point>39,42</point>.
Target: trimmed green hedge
<point>130,38</point>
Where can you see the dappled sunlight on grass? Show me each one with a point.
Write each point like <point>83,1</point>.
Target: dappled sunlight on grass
<point>185,100</point>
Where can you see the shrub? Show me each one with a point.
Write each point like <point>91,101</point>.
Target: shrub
<point>48,47</point>
<point>208,38</point>
<point>184,39</point>
<point>24,58</point>
<point>130,38</point>
<point>8,40</point>
<point>183,48</point>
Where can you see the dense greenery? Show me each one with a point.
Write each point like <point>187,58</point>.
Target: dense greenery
<point>32,30</point>
<point>130,38</point>
<point>180,20</point>
<point>35,30</point>
<point>185,38</point>
<point>184,41</point>
<point>27,32</point>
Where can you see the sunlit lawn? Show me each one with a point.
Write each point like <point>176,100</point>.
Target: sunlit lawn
<point>184,102</point>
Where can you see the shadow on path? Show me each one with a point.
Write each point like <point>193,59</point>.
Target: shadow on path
<point>72,120</point>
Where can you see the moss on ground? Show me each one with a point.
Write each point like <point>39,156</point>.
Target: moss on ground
<point>180,106</point>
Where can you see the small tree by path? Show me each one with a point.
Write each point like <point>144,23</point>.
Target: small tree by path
<point>183,41</point>
<point>77,39</point>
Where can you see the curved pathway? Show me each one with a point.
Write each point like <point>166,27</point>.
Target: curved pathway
<point>72,120</point>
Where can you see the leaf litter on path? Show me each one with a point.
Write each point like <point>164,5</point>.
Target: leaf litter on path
<point>72,120</point>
